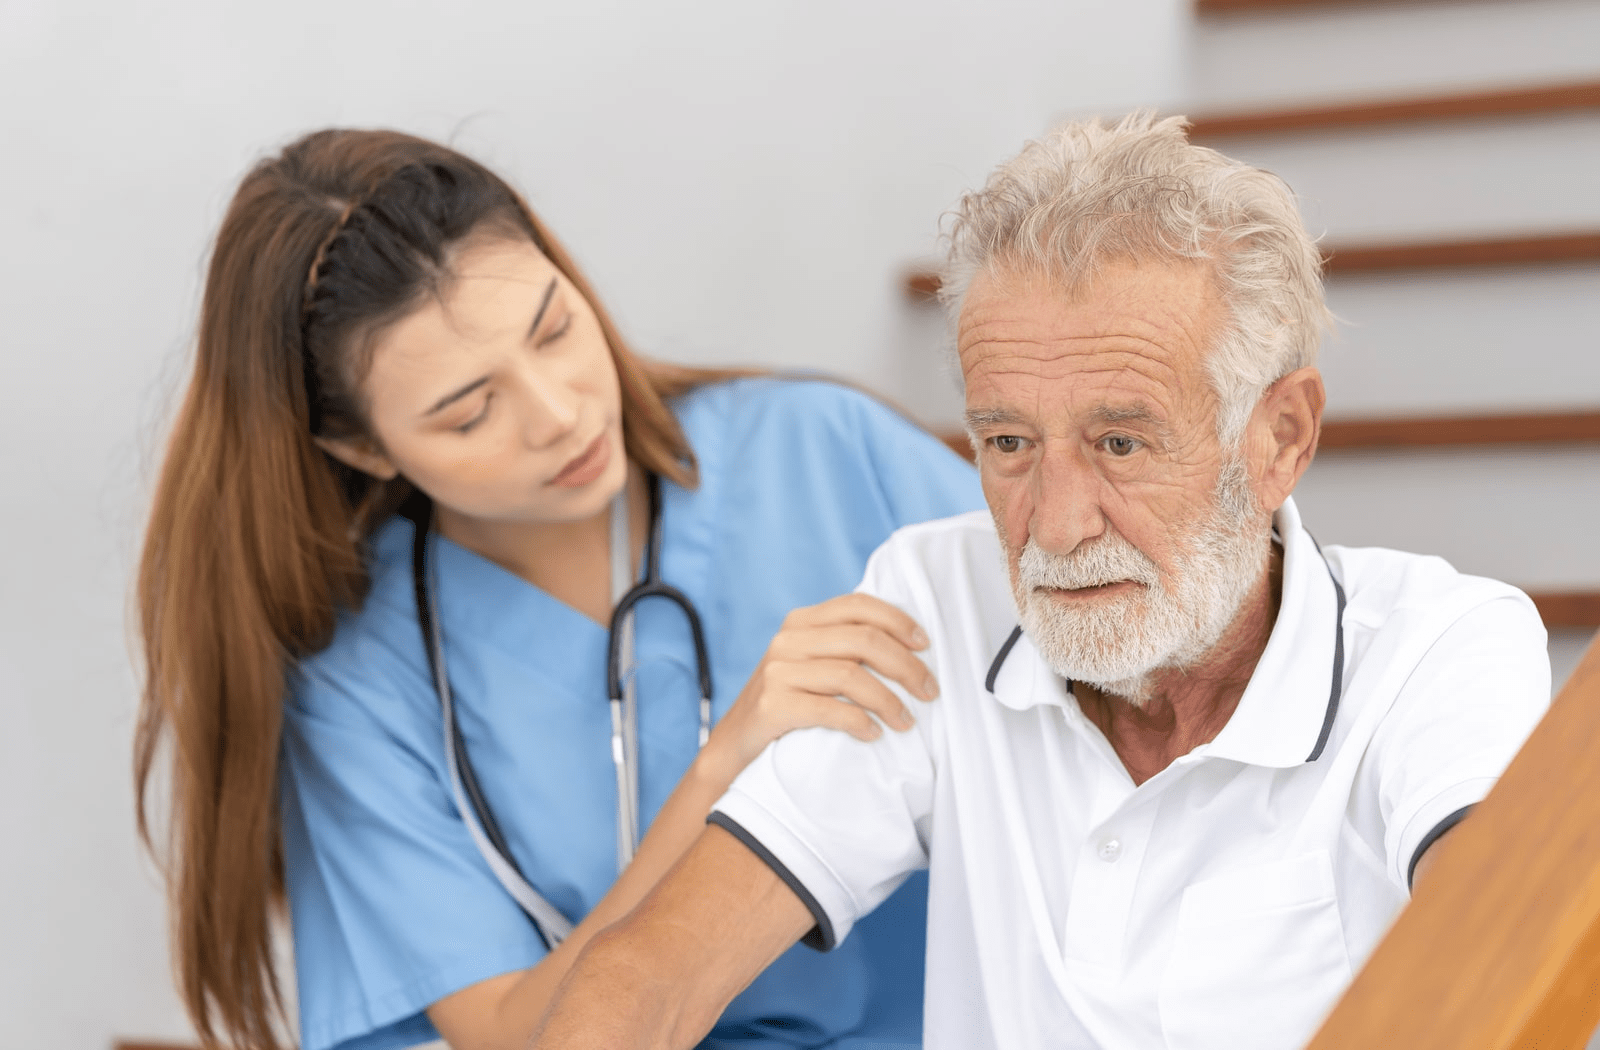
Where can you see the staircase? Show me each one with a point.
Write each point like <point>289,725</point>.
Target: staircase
<point>1449,155</point>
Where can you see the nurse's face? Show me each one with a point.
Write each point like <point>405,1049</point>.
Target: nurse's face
<point>499,399</point>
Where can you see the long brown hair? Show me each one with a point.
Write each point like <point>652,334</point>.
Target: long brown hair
<point>256,535</point>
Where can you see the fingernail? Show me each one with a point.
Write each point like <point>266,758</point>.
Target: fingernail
<point>930,688</point>
<point>874,731</point>
<point>919,638</point>
<point>904,720</point>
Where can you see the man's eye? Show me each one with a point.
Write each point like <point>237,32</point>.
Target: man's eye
<point>1006,443</point>
<point>1121,445</point>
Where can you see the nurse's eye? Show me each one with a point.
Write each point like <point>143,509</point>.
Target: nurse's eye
<point>1006,444</point>
<point>483,413</point>
<point>556,333</point>
<point>1121,445</point>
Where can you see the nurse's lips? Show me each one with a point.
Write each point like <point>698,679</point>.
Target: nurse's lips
<point>586,466</point>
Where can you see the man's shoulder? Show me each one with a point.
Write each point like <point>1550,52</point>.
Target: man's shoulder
<point>932,548</point>
<point>950,575</point>
<point>1386,587</point>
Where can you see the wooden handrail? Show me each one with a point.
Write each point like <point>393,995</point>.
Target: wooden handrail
<point>1550,249</point>
<point>1470,105</point>
<point>1567,608</point>
<point>1553,428</point>
<point>1500,949</point>
<point>1228,7</point>
<point>1537,250</point>
<point>1549,428</point>
<point>923,284</point>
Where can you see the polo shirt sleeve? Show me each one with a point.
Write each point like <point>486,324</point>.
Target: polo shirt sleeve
<point>841,821</point>
<point>391,905</point>
<point>1461,717</point>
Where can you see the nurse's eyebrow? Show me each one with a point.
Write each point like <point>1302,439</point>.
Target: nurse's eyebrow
<point>457,395</point>
<point>544,304</point>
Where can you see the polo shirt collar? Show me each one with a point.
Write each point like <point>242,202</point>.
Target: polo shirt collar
<point>1287,711</point>
<point>1019,677</point>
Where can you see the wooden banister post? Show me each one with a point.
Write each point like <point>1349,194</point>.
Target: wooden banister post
<point>1500,950</point>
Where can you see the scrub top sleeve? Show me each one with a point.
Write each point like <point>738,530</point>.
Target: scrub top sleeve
<point>392,907</point>
<point>921,478</point>
<point>1457,723</point>
<point>843,822</point>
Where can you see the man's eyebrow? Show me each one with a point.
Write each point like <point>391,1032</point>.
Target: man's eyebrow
<point>986,418</point>
<point>544,304</point>
<point>1135,413</point>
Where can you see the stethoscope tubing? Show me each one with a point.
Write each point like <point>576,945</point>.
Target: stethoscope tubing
<point>551,925</point>
<point>654,587</point>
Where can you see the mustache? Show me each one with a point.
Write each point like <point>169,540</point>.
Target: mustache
<point>1110,559</point>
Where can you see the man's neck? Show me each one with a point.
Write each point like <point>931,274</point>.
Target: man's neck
<point>1189,707</point>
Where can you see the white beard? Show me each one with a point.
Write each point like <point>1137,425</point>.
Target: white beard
<point>1116,643</point>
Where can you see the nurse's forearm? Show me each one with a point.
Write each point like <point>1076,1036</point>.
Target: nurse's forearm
<point>501,1012</point>
<point>662,976</point>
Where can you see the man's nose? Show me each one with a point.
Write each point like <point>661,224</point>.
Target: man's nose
<point>1066,499</point>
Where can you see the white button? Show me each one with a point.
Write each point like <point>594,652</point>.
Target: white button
<point>1110,850</point>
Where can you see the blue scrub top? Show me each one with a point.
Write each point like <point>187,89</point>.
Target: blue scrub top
<point>392,906</point>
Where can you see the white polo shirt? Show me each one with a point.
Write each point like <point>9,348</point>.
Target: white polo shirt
<point>1223,903</point>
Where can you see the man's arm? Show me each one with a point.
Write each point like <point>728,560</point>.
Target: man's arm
<point>663,975</point>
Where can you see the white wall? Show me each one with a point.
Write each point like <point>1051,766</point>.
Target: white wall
<point>743,181</point>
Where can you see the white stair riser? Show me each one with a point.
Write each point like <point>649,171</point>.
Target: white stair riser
<point>1448,180</point>
<point>1526,515</point>
<point>1468,342</point>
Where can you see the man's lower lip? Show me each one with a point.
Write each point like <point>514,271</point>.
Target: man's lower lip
<point>588,466</point>
<point>1088,592</point>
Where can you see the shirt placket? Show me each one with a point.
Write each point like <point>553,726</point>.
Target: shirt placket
<point>1105,876</point>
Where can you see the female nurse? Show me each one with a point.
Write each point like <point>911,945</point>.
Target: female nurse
<point>391,348</point>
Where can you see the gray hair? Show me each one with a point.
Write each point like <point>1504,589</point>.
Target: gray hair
<point>1090,194</point>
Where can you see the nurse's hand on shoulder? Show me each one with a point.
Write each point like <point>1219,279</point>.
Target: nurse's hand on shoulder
<point>817,659</point>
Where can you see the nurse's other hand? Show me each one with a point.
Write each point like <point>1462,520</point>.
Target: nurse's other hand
<point>819,658</point>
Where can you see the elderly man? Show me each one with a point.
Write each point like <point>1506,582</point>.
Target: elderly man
<point>1186,765</point>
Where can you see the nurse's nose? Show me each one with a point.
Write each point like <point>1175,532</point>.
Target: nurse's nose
<point>552,411</point>
<point>1066,498</point>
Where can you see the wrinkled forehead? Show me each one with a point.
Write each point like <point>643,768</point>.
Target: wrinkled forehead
<point>1133,330</point>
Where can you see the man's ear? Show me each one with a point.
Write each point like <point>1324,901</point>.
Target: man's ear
<point>1286,423</point>
<point>360,453</point>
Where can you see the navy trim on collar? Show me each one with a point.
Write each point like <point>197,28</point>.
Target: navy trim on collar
<point>1000,658</point>
<point>1337,689</point>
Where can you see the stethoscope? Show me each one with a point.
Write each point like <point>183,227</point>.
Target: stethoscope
<point>621,691</point>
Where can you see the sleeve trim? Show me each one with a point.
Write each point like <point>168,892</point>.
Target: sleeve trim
<point>1430,838</point>
<point>821,936</point>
